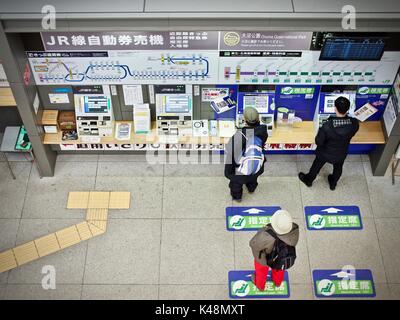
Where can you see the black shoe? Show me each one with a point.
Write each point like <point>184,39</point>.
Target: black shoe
<point>332,185</point>
<point>303,179</point>
<point>237,199</point>
<point>252,190</point>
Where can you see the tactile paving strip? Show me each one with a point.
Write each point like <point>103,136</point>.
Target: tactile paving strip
<point>97,214</point>
<point>26,253</point>
<point>101,224</point>
<point>99,200</point>
<point>7,261</point>
<point>84,231</point>
<point>68,237</point>
<point>95,229</point>
<point>47,245</point>
<point>120,200</point>
<point>78,200</point>
<point>95,224</point>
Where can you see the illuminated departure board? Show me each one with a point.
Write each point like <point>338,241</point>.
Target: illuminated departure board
<point>352,49</point>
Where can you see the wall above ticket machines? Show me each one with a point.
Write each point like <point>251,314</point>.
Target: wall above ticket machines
<point>289,77</point>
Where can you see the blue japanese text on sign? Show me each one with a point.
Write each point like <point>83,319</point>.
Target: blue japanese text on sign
<point>333,218</point>
<point>242,287</point>
<point>248,218</point>
<point>346,283</point>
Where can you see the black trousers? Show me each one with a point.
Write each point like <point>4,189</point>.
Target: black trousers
<point>237,186</point>
<point>317,166</point>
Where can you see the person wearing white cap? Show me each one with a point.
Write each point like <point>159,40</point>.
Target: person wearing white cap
<point>274,247</point>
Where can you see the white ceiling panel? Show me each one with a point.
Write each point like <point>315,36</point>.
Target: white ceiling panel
<point>218,6</point>
<point>71,6</point>
<point>361,6</point>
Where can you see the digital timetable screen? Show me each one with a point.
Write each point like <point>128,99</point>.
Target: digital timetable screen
<point>350,49</point>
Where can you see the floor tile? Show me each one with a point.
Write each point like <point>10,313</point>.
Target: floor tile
<point>194,292</point>
<point>365,158</point>
<point>127,253</point>
<point>69,263</point>
<point>129,169</point>
<point>3,277</point>
<point>122,157</point>
<point>351,189</point>
<point>13,190</point>
<point>18,157</point>
<point>2,291</point>
<point>120,292</point>
<point>195,197</point>
<point>395,291</point>
<point>195,252</point>
<point>146,195</point>
<point>335,249</point>
<point>71,157</point>
<point>299,273</point>
<point>311,157</point>
<point>389,241</point>
<point>275,191</point>
<point>281,157</point>
<point>8,232</point>
<point>47,197</point>
<point>194,170</point>
<point>76,169</point>
<point>385,197</point>
<point>36,292</point>
<point>280,169</point>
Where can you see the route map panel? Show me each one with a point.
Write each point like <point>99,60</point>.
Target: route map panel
<point>124,67</point>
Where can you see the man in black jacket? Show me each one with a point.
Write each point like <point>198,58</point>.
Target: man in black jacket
<point>234,151</point>
<point>333,140</point>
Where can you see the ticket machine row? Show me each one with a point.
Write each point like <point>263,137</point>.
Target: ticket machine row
<point>175,111</point>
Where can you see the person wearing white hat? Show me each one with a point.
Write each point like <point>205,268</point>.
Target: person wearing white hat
<point>274,247</point>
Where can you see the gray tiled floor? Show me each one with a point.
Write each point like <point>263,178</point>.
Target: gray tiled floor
<point>172,243</point>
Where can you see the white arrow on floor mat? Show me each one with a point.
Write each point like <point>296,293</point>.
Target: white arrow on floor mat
<point>253,211</point>
<point>331,210</point>
<point>342,274</point>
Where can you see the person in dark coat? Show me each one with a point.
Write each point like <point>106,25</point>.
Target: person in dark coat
<point>333,140</point>
<point>234,151</point>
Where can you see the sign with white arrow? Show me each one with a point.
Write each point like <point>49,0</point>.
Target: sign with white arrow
<point>241,286</point>
<point>333,218</point>
<point>248,218</point>
<point>341,284</point>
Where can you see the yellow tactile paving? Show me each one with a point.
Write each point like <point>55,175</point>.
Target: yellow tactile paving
<point>68,237</point>
<point>97,214</point>
<point>84,231</point>
<point>95,202</point>
<point>101,224</point>
<point>119,200</point>
<point>7,261</point>
<point>99,200</point>
<point>47,245</point>
<point>78,200</point>
<point>25,253</point>
<point>95,229</point>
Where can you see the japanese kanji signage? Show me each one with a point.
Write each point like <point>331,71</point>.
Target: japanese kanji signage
<point>248,218</point>
<point>343,283</point>
<point>245,40</point>
<point>120,40</point>
<point>333,218</point>
<point>242,287</point>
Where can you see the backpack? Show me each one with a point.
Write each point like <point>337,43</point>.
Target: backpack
<point>252,158</point>
<point>282,256</point>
